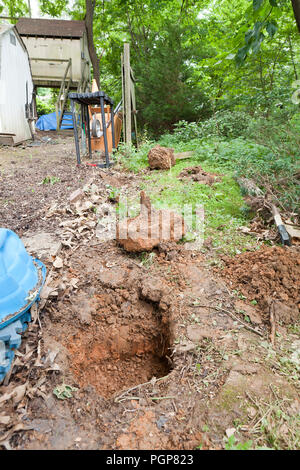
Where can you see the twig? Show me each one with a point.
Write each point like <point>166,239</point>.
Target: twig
<point>119,398</point>
<point>272,322</point>
<point>161,398</point>
<point>221,309</point>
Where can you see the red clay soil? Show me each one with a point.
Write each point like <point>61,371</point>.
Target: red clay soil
<point>196,173</point>
<point>126,338</point>
<point>150,228</point>
<point>271,274</point>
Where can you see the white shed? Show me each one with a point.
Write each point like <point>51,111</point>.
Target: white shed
<point>17,110</point>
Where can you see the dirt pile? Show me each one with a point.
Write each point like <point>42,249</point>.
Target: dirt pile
<point>161,158</point>
<point>196,173</point>
<point>149,228</point>
<point>271,274</point>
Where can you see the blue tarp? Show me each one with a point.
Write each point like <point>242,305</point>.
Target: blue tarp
<point>47,122</point>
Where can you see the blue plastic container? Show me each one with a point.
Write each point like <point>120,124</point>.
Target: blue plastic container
<point>21,279</point>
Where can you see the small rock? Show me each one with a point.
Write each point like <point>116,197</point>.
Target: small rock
<point>112,277</point>
<point>58,263</point>
<point>42,244</point>
<point>152,289</point>
<point>230,432</point>
<point>196,333</point>
<point>286,314</point>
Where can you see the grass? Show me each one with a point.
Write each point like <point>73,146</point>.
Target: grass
<point>224,207</point>
<point>275,423</point>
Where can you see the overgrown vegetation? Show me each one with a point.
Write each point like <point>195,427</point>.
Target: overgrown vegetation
<point>265,150</point>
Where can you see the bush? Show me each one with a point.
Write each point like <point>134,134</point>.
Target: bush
<point>167,89</point>
<point>43,106</point>
<point>230,124</point>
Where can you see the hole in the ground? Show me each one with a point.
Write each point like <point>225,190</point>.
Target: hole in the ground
<point>121,349</point>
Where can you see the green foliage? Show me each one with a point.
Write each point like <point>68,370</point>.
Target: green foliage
<point>166,89</point>
<point>226,124</point>
<point>64,391</point>
<point>223,203</point>
<point>45,101</point>
<point>264,16</point>
<point>51,180</point>
<point>43,107</point>
<point>233,444</point>
<point>263,149</point>
<point>53,7</point>
<point>14,8</point>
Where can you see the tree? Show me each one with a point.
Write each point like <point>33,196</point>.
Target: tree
<point>14,8</point>
<point>296,9</point>
<point>264,15</point>
<point>89,17</point>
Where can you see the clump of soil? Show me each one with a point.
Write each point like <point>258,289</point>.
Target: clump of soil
<point>161,158</point>
<point>271,274</point>
<point>150,228</point>
<point>196,173</point>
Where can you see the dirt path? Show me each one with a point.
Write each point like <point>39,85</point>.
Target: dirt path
<point>160,350</point>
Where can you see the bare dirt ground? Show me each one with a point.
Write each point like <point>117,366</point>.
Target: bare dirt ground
<point>152,351</point>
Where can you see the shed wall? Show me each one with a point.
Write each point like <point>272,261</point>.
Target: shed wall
<point>55,48</point>
<point>14,74</point>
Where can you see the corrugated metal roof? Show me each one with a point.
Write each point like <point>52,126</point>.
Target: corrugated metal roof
<point>50,28</point>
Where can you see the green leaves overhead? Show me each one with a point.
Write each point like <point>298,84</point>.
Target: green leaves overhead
<point>271,28</point>
<point>53,7</point>
<point>264,25</point>
<point>257,4</point>
<point>14,8</point>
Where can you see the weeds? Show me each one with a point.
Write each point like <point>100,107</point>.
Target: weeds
<point>276,422</point>
<point>64,391</point>
<point>51,180</point>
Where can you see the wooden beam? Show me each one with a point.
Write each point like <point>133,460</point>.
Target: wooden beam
<point>127,90</point>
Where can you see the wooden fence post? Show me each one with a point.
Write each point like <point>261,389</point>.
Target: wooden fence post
<point>127,92</point>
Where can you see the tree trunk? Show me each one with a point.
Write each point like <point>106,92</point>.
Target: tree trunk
<point>90,7</point>
<point>296,8</point>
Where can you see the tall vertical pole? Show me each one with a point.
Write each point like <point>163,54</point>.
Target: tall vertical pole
<point>88,129</point>
<point>127,90</point>
<point>112,118</point>
<point>75,132</point>
<point>123,94</point>
<point>104,131</point>
<point>29,9</point>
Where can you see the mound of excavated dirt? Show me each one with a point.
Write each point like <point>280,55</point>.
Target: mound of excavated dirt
<point>196,173</point>
<point>150,228</point>
<point>161,158</point>
<point>269,274</point>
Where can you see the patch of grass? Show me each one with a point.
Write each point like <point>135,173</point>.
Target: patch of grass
<point>276,423</point>
<point>134,159</point>
<point>222,202</point>
<point>51,180</point>
<point>232,444</point>
<point>147,259</point>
